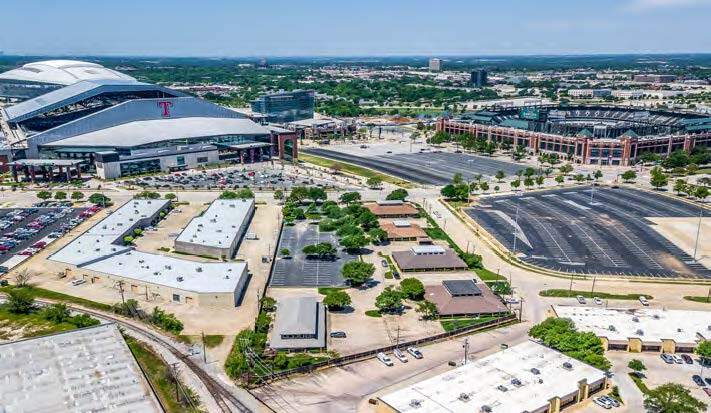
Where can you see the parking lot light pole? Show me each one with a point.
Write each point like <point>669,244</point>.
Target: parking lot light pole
<point>592,291</point>
<point>698,232</point>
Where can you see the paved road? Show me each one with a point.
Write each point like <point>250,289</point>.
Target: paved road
<point>580,231</point>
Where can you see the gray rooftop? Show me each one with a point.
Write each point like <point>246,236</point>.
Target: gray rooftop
<point>157,130</point>
<point>86,370</point>
<point>457,288</point>
<point>221,223</point>
<point>299,316</point>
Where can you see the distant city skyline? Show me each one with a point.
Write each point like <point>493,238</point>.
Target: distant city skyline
<point>223,28</point>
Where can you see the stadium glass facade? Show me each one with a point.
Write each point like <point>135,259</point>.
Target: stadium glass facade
<point>286,107</point>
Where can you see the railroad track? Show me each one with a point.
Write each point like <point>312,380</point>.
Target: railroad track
<point>222,395</point>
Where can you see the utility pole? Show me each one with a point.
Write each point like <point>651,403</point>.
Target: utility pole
<point>515,233</point>
<point>120,285</point>
<point>570,289</point>
<point>204,351</point>
<point>520,310</point>
<point>174,376</point>
<point>466,349</point>
<point>592,291</point>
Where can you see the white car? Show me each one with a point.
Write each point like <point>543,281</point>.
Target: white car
<point>643,300</point>
<point>603,403</point>
<point>400,355</point>
<point>677,359</point>
<point>581,299</point>
<point>415,352</point>
<point>385,359</point>
<point>597,300</point>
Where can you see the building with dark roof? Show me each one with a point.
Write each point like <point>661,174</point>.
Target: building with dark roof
<point>300,324</point>
<point>455,298</point>
<point>428,258</point>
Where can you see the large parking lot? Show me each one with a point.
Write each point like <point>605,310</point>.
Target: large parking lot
<point>26,231</point>
<point>230,178</point>
<point>297,270</point>
<point>428,166</point>
<point>612,233</point>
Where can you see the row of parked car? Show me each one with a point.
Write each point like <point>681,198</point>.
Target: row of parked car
<point>607,402</point>
<point>685,358</point>
<point>642,299</point>
<point>400,355</point>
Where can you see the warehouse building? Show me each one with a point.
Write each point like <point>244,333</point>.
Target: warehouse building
<point>300,325</point>
<point>464,298</point>
<point>85,370</point>
<point>102,258</point>
<point>528,377</point>
<point>428,258</point>
<point>219,230</point>
<point>637,330</point>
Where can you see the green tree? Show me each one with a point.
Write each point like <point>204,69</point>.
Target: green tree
<point>500,175</point>
<point>354,242</point>
<point>148,195</point>
<point>484,186</point>
<point>285,252</point>
<point>99,199</point>
<point>672,398</point>
<point>389,300</point>
<point>377,235</point>
<point>128,240</point>
<point>658,178</point>
<point>374,182</point>
<point>170,196</point>
<point>279,194</point>
<point>597,174</point>
<point>317,194</point>
<point>44,195</point>
<point>579,178</point>
<point>397,195</point>
<point>703,350</point>
<point>427,310</point>
<point>60,195</point>
<point>337,299</point>
<point>358,272</point>
<point>540,180</point>
<point>412,288</point>
<point>350,197</point>
<point>680,186</point>
<point>515,184</point>
<point>20,301</point>
<point>701,192</point>
<point>560,334</point>
<point>559,179</point>
<point>56,313</point>
<point>628,176</point>
<point>637,366</point>
<point>322,250</point>
<point>268,304</point>
<point>262,323</point>
<point>566,169</point>
<point>528,182</point>
<point>76,195</point>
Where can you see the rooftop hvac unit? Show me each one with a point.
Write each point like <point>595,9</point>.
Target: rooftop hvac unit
<point>156,273</point>
<point>198,269</point>
<point>501,387</point>
<point>232,205</point>
<point>635,319</point>
<point>611,328</point>
<point>463,397</point>
<point>655,316</point>
<point>199,225</point>
<point>535,371</point>
<point>567,366</point>
<point>485,409</point>
<point>678,330</point>
<point>180,279</point>
<point>516,382</point>
<point>414,403</point>
<point>141,261</point>
<point>639,332</point>
<point>168,267</point>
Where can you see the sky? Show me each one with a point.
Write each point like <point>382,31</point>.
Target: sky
<point>233,28</point>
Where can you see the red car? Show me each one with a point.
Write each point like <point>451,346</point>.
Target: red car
<point>25,252</point>
<point>39,244</point>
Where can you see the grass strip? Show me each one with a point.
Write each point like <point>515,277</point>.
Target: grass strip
<point>587,294</point>
<point>450,324</point>
<point>37,292</point>
<point>639,383</point>
<point>353,169</point>
<point>698,299</point>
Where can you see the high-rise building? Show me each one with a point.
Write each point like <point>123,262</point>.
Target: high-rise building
<point>286,107</point>
<point>435,64</point>
<point>478,78</point>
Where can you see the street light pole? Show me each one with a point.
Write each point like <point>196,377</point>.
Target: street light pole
<point>698,232</point>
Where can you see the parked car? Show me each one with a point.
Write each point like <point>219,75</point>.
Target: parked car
<point>79,281</point>
<point>581,299</point>
<point>415,352</point>
<point>614,402</point>
<point>687,359</point>
<point>677,359</point>
<point>385,359</point>
<point>603,403</point>
<point>707,391</point>
<point>667,358</point>
<point>643,300</point>
<point>400,355</point>
<point>698,380</point>
<point>597,300</point>
<point>338,334</point>
<point>384,263</point>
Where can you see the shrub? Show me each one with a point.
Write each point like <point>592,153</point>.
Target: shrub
<point>412,288</point>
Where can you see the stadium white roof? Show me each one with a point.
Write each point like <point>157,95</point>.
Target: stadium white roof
<point>538,370</point>
<point>84,370</point>
<point>100,249</point>
<point>220,224</point>
<point>62,72</point>
<point>649,325</point>
<point>151,131</point>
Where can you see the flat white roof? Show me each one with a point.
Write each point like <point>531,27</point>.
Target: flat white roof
<point>467,388</point>
<point>401,223</point>
<point>100,249</point>
<point>62,72</point>
<point>427,249</point>
<point>654,324</point>
<point>219,225</point>
<point>86,370</point>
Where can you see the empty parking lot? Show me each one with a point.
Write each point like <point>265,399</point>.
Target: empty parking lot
<point>607,232</point>
<point>297,270</point>
<point>433,168</point>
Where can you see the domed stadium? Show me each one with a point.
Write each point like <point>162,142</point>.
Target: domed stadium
<point>595,134</point>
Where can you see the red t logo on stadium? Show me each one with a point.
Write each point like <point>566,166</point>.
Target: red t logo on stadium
<point>166,105</point>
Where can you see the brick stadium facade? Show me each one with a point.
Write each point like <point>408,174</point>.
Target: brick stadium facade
<point>581,148</point>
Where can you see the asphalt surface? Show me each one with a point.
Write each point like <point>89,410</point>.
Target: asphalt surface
<point>298,271</point>
<point>563,230</point>
<point>42,233</point>
<point>431,168</point>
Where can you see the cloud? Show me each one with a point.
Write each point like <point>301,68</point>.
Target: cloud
<point>646,5</point>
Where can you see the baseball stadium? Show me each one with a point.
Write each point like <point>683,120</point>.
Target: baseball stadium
<point>597,135</point>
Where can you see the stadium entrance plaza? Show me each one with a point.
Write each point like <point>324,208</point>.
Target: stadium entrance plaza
<point>196,319</point>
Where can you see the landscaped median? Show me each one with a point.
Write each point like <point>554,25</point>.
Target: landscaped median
<point>353,169</point>
<point>589,294</point>
<point>698,299</point>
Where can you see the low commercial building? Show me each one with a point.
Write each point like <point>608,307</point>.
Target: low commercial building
<point>455,298</point>
<point>402,230</point>
<point>528,377</point>
<point>300,325</point>
<point>637,330</point>
<point>218,231</point>
<point>111,164</point>
<point>654,78</point>
<point>392,209</point>
<point>320,128</point>
<point>428,258</point>
<point>589,93</point>
<point>103,255</point>
<point>85,370</point>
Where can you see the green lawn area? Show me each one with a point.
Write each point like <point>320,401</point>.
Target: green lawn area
<point>697,299</point>
<point>639,382</point>
<point>328,290</point>
<point>450,324</point>
<point>53,295</point>
<point>353,169</point>
<point>211,341</point>
<point>157,372</point>
<point>373,313</point>
<point>487,275</point>
<point>14,326</point>
<point>586,294</point>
